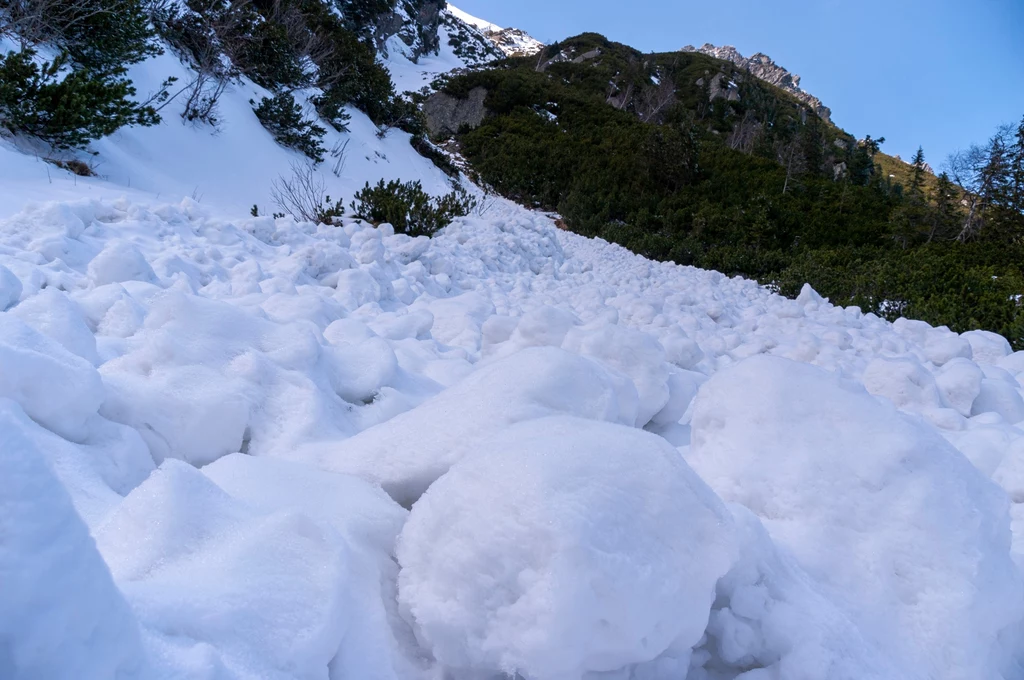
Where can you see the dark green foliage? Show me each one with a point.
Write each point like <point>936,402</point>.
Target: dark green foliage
<point>97,35</point>
<point>282,116</point>
<point>66,110</point>
<point>408,208</point>
<point>286,45</point>
<point>759,187</point>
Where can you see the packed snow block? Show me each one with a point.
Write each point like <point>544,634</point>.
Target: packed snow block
<point>1013,363</point>
<point>458,320</point>
<point>904,382</point>
<point>987,347</point>
<point>356,288</point>
<point>544,326</point>
<point>409,452</point>
<point>768,615</point>
<point>942,350</point>
<point>10,288</point>
<point>357,372</point>
<point>110,310</point>
<point>263,593</point>
<point>563,547</point>
<point>959,381</point>
<point>998,396</point>
<point>57,389</point>
<point>54,315</point>
<point>365,518</point>
<point>680,349</point>
<point>191,413</point>
<point>61,616</point>
<point>888,517</point>
<point>634,354</point>
<point>120,261</point>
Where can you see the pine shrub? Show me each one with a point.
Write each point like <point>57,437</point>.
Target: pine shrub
<point>408,208</point>
<point>67,110</point>
<point>282,116</point>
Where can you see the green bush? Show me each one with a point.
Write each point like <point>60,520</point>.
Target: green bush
<point>282,116</point>
<point>408,208</point>
<point>67,111</point>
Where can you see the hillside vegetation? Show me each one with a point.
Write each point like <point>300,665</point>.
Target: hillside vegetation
<point>683,157</point>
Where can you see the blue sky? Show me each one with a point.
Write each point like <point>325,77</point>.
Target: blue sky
<point>941,74</point>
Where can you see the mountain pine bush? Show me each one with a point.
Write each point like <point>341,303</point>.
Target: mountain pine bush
<point>67,109</point>
<point>282,116</point>
<point>408,208</point>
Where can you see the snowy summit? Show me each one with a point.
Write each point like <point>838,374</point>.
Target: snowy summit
<point>246,446</point>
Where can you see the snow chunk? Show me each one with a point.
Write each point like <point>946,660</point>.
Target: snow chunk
<point>883,512</point>
<point>904,382</point>
<point>120,261</point>
<point>264,591</point>
<point>769,616</point>
<point>32,366</point>
<point>959,381</point>
<point>563,546</point>
<point>998,396</point>
<point>987,347</point>
<point>54,315</point>
<point>407,453</point>
<point>10,288</point>
<point>61,617</point>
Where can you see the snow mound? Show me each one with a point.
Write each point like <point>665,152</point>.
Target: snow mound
<point>61,617</point>
<point>409,452</point>
<point>561,547</point>
<point>918,539</point>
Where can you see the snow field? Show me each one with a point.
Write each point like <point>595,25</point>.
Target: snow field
<point>327,452</point>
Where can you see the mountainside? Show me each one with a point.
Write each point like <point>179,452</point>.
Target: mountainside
<point>289,391</point>
<point>512,42</point>
<point>762,66</point>
<point>685,157</point>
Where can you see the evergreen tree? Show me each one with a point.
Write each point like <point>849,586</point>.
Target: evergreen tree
<point>943,218</point>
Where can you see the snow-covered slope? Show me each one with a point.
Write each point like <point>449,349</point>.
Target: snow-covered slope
<point>239,447</point>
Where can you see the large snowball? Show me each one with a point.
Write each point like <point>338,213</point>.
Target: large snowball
<point>563,546</point>
<point>885,514</point>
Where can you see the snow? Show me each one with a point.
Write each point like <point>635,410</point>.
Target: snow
<point>563,547</point>
<point>243,447</point>
<point>917,536</point>
<point>472,20</point>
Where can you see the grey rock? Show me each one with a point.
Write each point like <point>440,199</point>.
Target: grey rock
<point>445,114</point>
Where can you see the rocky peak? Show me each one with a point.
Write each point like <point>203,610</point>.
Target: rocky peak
<point>763,67</point>
<point>511,42</point>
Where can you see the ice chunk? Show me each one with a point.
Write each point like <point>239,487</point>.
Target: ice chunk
<point>563,546</point>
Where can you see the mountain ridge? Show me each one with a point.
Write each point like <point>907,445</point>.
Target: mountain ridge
<point>760,65</point>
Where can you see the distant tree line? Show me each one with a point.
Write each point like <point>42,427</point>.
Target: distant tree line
<point>683,157</point>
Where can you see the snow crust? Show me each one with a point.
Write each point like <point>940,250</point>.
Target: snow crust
<point>240,447</point>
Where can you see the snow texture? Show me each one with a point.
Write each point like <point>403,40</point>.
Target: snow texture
<point>242,447</point>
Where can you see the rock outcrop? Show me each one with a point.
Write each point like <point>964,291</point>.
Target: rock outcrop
<point>445,114</point>
<point>762,66</point>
